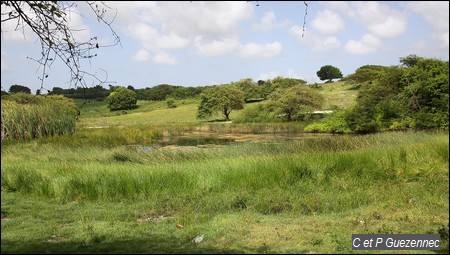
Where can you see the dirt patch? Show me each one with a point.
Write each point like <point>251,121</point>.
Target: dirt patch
<point>55,239</point>
<point>152,218</point>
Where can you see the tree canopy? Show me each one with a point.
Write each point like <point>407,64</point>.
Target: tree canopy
<point>329,72</point>
<point>412,95</point>
<point>19,88</point>
<point>221,99</point>
<point>297,101</point>
<point>121,99</point>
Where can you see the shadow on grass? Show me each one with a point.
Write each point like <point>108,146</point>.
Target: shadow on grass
<point>146,245</point>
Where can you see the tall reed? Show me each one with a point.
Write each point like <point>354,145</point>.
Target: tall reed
<point>25,117</point>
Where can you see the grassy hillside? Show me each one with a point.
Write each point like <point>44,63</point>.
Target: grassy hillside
<point>338,94</point>
<point>96,113</point>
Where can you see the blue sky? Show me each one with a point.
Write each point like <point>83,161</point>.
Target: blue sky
<point>204,43</point>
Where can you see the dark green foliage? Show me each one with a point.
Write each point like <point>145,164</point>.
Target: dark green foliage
<point>276,84</point>
<point>297,102</point>
<point>414,95</point>
<point>171,103</point>
<point>163,91</point>
<point>329,72</point>
<point>19,88</point>
<point>222,99</point>
<point>250,89</point>
<point>96,92</point>
<point>366,73</point>
<point>122,99</point>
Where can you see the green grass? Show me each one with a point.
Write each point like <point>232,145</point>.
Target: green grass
<point>42,116</point>
<point>96,113</point>
<point>305,196</point>
<point>109,188</point>
<point>338,94</point>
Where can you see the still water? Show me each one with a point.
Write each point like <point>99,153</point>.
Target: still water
<point>209,139</point>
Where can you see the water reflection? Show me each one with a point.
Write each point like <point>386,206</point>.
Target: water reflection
<point>210,139</point>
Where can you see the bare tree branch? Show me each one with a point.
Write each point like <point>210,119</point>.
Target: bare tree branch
<point>50,22</point>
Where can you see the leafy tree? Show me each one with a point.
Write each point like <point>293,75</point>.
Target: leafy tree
<point>298,101</point>
<point>278,83</point>
<point>222,99</point>
<point>19,88</point>
<point>377,102</point>
<point>250,89</point>
<point>366,73</point>
<point>50,22</point>
<point>426,92</point>
<point>121,99</point>
<point>413,95</point>
<point>410,60</point>
<point>329,73</point>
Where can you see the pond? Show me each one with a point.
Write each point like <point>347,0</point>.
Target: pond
<point>206,139</point>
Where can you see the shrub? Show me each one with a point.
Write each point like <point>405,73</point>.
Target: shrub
<point>335,123</point>
<point>171,103</point>
<point>122,99</point>
<point>256,113</point>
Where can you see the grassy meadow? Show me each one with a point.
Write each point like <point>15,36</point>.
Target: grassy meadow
<point>111,188</point>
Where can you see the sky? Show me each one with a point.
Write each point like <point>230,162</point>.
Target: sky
<point>193,43</point>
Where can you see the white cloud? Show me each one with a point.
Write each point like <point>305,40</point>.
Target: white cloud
<point>267,22</point>
<point>164,58</point>
<point>152,40</point>
<point>80,32</point>
<point>315,41</point>
<point>216,47</point>
<point>328,22</point>
<point>379,19</point>
<point>141,56</point>
<point>254,50</point>
<point>172,41</point>
<point>211,27</point>
<point>367,44</point>
<point>437,15</point>
<point>213,19</point>
<point>435,12</point>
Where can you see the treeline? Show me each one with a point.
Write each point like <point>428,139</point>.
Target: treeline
<point>156,93</point>
<point>252,90</point>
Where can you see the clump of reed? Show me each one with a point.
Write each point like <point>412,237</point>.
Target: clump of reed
<point>25,117</point>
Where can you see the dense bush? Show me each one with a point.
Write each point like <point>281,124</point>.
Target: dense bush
<point>121,99</point>
<point>410,96</point>
<point>256,113</point>
<point>170,103</point>
<point>333,124</point>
